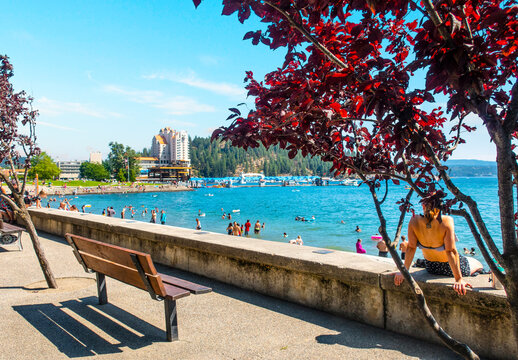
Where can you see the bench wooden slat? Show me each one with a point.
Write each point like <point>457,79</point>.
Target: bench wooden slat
<point>133,268</point>
<point>113,253</point>
<point>123,273</point>
<point>7,228</point>
<point>184,284</point>
<point>175,292</point>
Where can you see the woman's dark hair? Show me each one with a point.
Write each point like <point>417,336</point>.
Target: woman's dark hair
<point>433,206</point>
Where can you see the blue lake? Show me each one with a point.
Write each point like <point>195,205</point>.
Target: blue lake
<point>277,207</point>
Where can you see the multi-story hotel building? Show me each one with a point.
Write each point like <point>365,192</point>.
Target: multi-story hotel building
<point>171,147</point>
<point>170,158</point>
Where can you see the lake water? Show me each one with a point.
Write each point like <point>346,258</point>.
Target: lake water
<point>277,207</point>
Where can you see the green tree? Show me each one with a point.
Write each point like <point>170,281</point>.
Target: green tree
<point>44,166</point>
<point>119,158</point>
<point>93,171</point>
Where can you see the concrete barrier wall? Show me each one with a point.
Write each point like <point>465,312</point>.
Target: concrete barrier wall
<point>357,287</point>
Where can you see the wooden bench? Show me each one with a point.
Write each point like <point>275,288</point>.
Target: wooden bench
<point>133,268</point>
<point>7,235</point>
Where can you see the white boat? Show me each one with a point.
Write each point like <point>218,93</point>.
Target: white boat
<point>350,182</point>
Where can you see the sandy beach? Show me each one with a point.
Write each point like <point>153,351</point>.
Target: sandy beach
<point>82,190</point>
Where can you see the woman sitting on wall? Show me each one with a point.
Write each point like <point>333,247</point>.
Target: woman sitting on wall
<point>435,235</point>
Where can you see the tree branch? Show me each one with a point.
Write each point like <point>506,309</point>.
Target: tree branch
<point>487,256</point>
<point>472,205</point>
<point>308,36</point>
<point>450,342</point>
<point>511,119</point>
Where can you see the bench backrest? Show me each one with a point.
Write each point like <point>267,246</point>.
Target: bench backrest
<point>116,262</point>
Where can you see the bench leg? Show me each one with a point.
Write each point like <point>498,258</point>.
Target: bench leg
<point>102,294</point>
<point>20,245</point>
<point>171,320</point>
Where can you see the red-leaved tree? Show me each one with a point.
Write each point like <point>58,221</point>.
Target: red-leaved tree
<point>358,88</point>
<point>17,147</point>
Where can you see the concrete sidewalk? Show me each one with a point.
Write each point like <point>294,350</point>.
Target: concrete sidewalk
<point>229,323</point>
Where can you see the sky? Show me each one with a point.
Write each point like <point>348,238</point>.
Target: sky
<point>102,71</point>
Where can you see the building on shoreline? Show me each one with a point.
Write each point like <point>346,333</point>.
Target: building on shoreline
<point>170,147</point>
<point>170,158</point>
<point>69,169</point>
<point>96,157</point>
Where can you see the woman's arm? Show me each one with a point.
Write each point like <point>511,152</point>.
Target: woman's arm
<point>410,251</point>
<point>453,256</point>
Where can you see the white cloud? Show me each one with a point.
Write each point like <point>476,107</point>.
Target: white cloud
<point>55,126</point>
<point>209,60</point>
<point>181,105</point>
<point>49,107</point>
<point>177,123</point>
<point>191,79</point>
<point>138,96</point>
<point>173,105</point>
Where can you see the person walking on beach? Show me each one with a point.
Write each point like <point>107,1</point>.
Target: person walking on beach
<point>198,224</point>
<point>247,227</point>
<point>257,227</point>
<point>163,217</point>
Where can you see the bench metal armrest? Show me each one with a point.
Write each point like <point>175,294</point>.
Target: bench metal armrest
<point>142,274</point>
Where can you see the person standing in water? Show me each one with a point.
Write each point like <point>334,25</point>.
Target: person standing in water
<point>163,217</point>
<point>359,247</point>
<point>257,227</point>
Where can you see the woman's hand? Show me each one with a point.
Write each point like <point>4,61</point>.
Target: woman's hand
<point>461,286</point>
<point>398,279</point>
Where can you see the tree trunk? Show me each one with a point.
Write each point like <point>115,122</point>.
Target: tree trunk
<point>511,288</point>
<point>40,254</point>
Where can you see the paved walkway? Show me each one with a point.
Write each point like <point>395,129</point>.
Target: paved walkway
<point>229,323</point>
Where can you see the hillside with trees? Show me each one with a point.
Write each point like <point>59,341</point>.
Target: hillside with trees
<point>220,159</point>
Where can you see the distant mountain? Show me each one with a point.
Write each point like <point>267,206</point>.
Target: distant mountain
<point>471,168</point>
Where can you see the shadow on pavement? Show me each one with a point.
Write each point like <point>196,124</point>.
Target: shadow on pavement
<point>59,324</point>
<point>349,333</point>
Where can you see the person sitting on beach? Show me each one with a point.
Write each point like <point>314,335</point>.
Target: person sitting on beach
<point>297,241</point>
<point>6,212</point>
<point>435,235</point>
<point>359,247</point>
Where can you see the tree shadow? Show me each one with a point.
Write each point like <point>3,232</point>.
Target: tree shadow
<point>60,325</point>
<point>349,333</point>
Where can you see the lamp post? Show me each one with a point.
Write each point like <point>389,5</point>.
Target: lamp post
<point>127,164</point>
